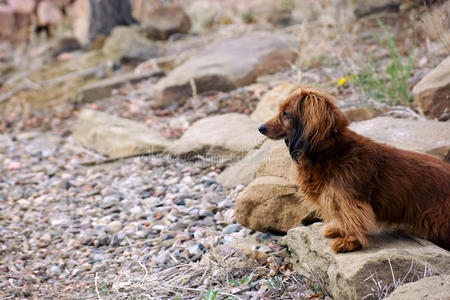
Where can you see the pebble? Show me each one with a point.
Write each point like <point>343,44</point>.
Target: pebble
<point>231,228</point>
<point>194,250</point>
<point>205,213</point>
<point>114,226</point>
<point>24,203</point>
<point>55,271</point>
<point>46,238</point>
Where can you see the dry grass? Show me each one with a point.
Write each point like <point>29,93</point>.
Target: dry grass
<point>233,275</point>
<point>381,290</point>
<point>435,24</point>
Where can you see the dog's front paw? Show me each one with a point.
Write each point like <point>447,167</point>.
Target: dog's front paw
<point>345,244</point>
<point>331,231</point>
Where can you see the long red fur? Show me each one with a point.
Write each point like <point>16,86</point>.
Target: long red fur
<point>360,185</point>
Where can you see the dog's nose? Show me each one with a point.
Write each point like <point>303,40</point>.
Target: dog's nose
<point>262,128</point>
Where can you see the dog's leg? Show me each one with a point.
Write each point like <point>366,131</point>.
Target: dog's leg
<point>353,220</point>
<point>348,243</point>
<point>331,231</point>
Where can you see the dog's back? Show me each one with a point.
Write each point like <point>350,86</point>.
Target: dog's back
<point>412,189</point>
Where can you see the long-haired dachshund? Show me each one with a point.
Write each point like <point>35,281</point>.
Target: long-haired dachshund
<point>359,185</point>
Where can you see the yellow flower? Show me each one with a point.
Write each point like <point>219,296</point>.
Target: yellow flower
<point>342,81</point>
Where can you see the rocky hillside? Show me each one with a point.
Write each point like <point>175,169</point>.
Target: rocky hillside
<point>131,165</point>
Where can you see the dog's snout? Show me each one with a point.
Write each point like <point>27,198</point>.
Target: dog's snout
<point>262,129</point>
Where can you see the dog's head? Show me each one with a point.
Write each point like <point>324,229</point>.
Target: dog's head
<point>308,118</point>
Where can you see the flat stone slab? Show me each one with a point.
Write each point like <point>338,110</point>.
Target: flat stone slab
<point>349,275</point>
<point>424,136</point>
<point>116,137</point>
<point>228,134</point>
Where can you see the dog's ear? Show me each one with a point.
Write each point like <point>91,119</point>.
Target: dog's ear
<point>297,143</point>
<point>319,117</point>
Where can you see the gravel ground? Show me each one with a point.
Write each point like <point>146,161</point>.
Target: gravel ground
<point>146,226</point>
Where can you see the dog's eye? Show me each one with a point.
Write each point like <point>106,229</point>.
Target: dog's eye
<point>286,115</point>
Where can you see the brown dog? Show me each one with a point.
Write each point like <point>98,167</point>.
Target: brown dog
<point>360,185</point>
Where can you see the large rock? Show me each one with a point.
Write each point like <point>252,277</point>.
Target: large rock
<point>433,287</point>
<point>128,45</point>
<point>103,88</point>
<point>165,21</point>
<point>244,171</point>
<point>349,275</point>
<point>226,64</point>
<point>269,105</point>
<point>273,204</point>
<point>90,18</point>
<point>421,136</point>
<point>116,137</point>
<point>229,134</point>
<point>432,93</point>
<point>278,162</point>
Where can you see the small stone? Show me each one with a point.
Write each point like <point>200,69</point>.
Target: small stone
<point>239,187</point>
<point>161,258</point>
<point>46,238</point>
<point>263,237</point>
<point>265,249</point>
<point>17,193</point>
<point>137,211</point>
<point>231,228</point>
<point>110,201</point>
<point>99,267</point>
<point>55,271</point>
<point>188,181</point>
<point>205,213</point>
<point>194,250</point>
<point>159,227</point>
<point>212,198</point>
<point>168,237</point>
<point>140,234</point>
<point>24,203</point>
<point>194,212</point>
<point>227,239</point>
<point>114,227</point>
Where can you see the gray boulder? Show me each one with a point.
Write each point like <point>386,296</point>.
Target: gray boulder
<point>226,64</point>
